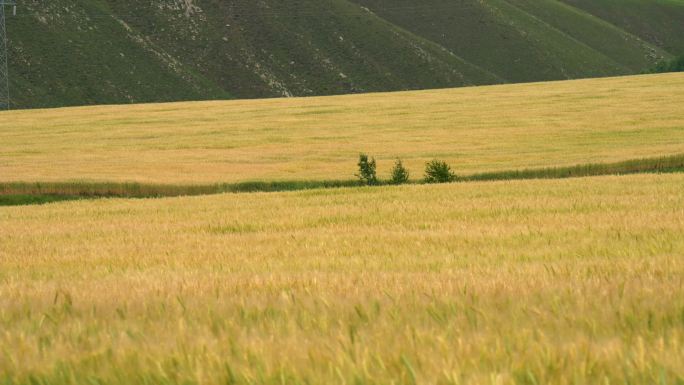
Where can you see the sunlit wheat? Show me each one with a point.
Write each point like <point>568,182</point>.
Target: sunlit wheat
<point>577,281</point>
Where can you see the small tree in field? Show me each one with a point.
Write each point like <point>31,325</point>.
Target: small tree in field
<point>367,174</point>
<point>437,171</point>
<point>400,174</point>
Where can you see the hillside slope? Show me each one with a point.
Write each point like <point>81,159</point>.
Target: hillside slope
<point>523,40</point>
<point>76,52</point>
<point>660,22</point>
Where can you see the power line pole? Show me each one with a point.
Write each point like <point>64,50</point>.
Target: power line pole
<point>4,72</point>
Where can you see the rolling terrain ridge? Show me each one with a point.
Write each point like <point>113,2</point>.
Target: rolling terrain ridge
<point>77,52</point>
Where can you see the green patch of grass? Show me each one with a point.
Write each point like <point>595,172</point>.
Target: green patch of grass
<point>635,166</point>
<point>26,199</point>
<point>20,193</point>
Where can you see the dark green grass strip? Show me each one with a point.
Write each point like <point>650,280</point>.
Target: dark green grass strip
<point>666,164</point>
<point>21,200</point>
<point>20,193</point>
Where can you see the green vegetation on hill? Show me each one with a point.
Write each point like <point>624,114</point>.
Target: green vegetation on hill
<point>76,52</point>
<point>674,65</point>
<point>659,22</point>
<point>523,40</point>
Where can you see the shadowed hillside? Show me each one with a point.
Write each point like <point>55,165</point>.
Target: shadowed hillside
<point>75,52</point>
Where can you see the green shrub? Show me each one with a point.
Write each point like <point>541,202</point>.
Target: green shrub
<point>674,65</point>
<point>367,174</point>
<point>400,174</point>
<point>437,171</point>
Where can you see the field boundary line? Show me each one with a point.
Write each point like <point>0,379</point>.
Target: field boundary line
<point>26,193</point>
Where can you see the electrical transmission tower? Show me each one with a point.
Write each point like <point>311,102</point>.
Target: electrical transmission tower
<point>4,74</point>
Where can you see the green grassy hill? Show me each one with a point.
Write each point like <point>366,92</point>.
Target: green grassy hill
<point>77,52</point>
<point>659,22</point>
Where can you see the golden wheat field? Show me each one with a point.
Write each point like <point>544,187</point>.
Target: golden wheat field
<point>560,281</point>
<point>576,281</point>
<point>476,129</point>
